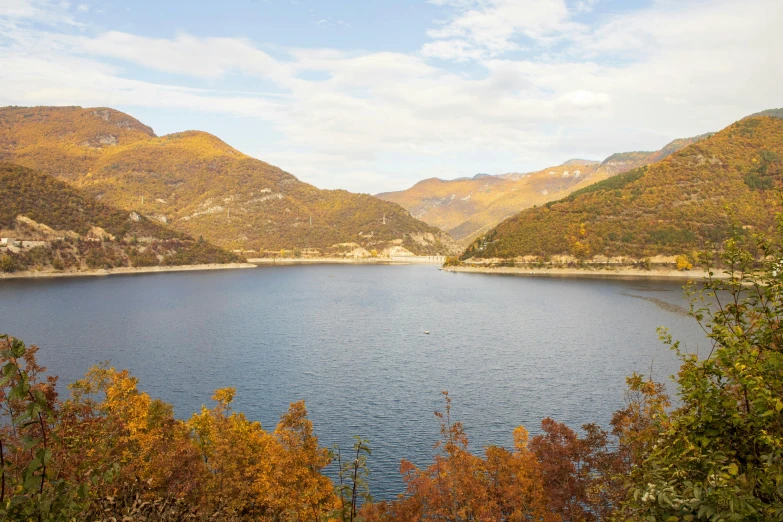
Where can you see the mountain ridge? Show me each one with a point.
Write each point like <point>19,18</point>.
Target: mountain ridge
<point>200,185</point>
<point>671,207</point>
<point>54,226</point>
<point>467,207</point>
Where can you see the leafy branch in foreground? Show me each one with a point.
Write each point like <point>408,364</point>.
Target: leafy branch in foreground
<point>719,456</point>
<point>353,479</point>
<point>31,487</point>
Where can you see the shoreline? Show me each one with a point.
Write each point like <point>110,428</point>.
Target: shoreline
<point>407,260</point>
<point>126,270</point>
<point>608,273</point>
<point>252,263</point>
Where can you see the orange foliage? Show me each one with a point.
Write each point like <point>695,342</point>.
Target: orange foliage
<point>276,473</point>
<point>135,457</point>
<point>504,485</point>
<point>128,456</point>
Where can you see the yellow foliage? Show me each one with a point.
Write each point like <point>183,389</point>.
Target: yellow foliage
<point>218,461</point>
<point>277,473</point>
<point>683,263</point>
<point>580,250</point>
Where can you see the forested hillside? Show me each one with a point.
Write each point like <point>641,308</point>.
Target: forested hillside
<point>696,198</point>
<point>49,225</point>
<point>201,186</point>
<point>467,207</point>
<point>64,141</point>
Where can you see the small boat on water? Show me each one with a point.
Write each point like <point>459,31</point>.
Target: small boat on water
<point>427,332</point>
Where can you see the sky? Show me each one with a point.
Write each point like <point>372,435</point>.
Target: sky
<point>375,95</point>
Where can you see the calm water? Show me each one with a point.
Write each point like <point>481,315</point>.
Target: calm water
<point>350,341</point>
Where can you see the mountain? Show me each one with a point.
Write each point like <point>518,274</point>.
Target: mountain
<point>625,161</point>
<point>47,224</point>
<point>201,186</point>
<point>775,113</point>
<point>693,199</point>
<point>467,207</point>
<point>579,162</point>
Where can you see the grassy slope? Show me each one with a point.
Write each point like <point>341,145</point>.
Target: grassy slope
<point>494,198</point>
<point>202,186</point>
<point>66,217</point>
<point>670,207</point>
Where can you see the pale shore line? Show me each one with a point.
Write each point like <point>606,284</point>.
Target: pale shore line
<point>32,274</point>
<point>407,260</point>
<point>252,263</point>
<point>613,273</point>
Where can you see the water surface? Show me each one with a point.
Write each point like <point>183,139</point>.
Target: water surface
<point>350,341</point>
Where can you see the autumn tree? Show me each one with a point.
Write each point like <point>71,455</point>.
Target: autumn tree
<point>33,485</point>
<point>504,485</point>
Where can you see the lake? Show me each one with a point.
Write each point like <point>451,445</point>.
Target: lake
<point>350,340</point>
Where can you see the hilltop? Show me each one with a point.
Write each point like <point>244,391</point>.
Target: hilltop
<point>693,199</point>
<point>775,113</point>
<point>467,207</point>
<point>199,185</point>
<point>48,225</point>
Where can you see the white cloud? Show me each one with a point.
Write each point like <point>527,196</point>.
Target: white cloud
<point>42,11</point>
<point>456,50</point>
<point>585,100</point>
<point>375,121</point>
<point>39,81</point>
<point>184,54</point>
<point>490,28</point>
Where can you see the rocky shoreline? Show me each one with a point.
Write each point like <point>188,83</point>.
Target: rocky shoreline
<point>252,263</point>
<point>33,274</point>
<point>401,260</point>
<point>609,272</point>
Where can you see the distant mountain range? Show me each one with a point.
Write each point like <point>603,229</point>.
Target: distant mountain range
<point>48,225</point>
<point>467,207</point>
<point>191,184</point>
<point>716,187</point>
<point>199,185</point>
